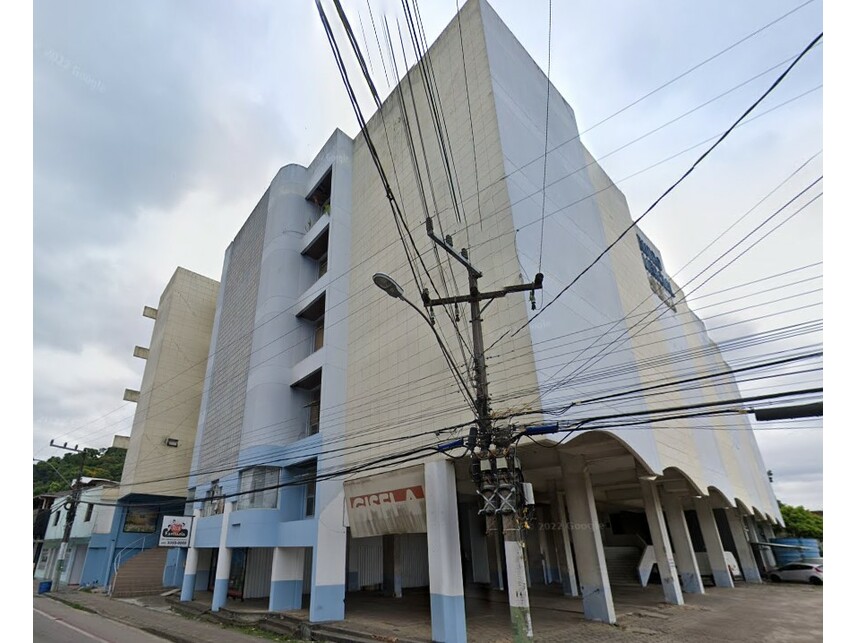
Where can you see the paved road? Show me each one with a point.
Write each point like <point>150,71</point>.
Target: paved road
<point>54,622</point>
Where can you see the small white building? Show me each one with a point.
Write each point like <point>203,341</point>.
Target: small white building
<point>92,509</point>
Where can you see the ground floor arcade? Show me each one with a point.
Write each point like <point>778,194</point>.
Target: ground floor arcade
<point>603,524</point>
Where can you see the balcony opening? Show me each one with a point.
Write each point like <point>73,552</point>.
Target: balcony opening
<point>314,310</point>
<point>320,196</point>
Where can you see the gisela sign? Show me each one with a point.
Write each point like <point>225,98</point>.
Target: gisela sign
<point>387,497</point>
<point>391,503</point>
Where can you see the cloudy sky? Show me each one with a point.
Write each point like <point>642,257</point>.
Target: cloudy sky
<point>157,126</point>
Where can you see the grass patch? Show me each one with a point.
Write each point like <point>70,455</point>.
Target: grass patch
<point>77,606</point>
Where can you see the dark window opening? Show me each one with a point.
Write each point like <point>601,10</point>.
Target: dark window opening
<point>314,415</point>
<point>307,473</point>
<point>318,335</point>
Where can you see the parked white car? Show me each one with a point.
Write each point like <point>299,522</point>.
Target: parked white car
<point>800,572</point>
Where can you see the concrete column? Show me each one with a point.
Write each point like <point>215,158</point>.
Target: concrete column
<point>287,579</point>
<point>446,585</point>
<point>516,577</point>
<point>548,569</point>
<point>586,535</point>
<point>685,558</point>
<point>768,532</point>
<point>392,546</point>
<point>191,563</point>
<point>566,558</point>
<point>353,574</point>
<point>327,598</point>
<point>713,544</point>
<point>494,541</point>
<point>224,562</point>
<point>749,569</point>
<point>767,556</point>
<point>661,541</point>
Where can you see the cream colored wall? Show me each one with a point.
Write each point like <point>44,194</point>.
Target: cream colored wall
<point>171,388</point>
<point>398,383</point>
<point>713,451</point>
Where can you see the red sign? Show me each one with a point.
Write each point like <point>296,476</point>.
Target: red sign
<point>388,497</point>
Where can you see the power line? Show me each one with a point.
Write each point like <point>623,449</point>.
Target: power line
<point>679,180</point>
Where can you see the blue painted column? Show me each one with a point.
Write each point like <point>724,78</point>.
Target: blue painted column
<point>661,542</point>
<point>224,563</point>
<point>742,546</point>
<point>586,535</point>
<point>685,558</point>
<point>190,566</point>
<point>446,584</point>
<point>713,544</point>
<point>287,579</point>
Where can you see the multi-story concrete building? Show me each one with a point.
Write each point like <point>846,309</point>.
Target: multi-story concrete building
<point>320,390</point>
<point>155,476</point>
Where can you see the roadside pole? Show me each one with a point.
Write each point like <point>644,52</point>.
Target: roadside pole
<point>69,519</point>
<point>495,468</point>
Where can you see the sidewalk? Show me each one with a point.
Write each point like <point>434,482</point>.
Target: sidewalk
<point>746,614</point>
<point>151,614</point>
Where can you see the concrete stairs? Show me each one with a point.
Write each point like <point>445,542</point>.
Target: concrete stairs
<point>622,565</point>
<point>141,575</point>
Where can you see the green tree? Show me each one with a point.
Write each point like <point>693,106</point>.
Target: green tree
<point>56,473</point>
<point>801,522</point>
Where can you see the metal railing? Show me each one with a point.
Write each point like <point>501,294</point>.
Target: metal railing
<point>117,559</point>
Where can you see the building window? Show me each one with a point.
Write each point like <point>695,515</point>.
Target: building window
<point>318,335</point>
<point>140,520</point>
<point>259,488</point>
<point>213,503</point>
<point>88,516</point>
<point>322,266</point>
<point>314,412</point>
<point>307,473</point>
<point>56,518</point>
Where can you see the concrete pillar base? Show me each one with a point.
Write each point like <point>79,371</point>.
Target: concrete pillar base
<point>586,535</point>
<point>446,584</point>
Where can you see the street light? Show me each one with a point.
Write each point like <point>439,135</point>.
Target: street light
<point>388,285</point>
<point>499,480</point>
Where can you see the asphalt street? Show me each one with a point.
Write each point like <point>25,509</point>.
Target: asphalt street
<point>55,622</point>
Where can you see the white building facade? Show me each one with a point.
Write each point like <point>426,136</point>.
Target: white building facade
<point>320,390</point>
<point>93,509</point>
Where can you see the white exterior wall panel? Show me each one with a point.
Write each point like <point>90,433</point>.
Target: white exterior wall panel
<point>586,213</point>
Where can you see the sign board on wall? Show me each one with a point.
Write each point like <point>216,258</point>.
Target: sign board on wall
<point>176,531</point>
<point>658,278</point>
<point>389,503</point>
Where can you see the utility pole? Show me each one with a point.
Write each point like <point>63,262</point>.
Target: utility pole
<point>71,505</point>
<point>495,467</point>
